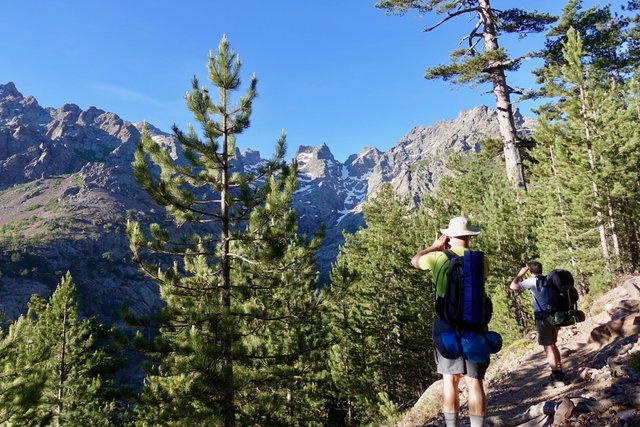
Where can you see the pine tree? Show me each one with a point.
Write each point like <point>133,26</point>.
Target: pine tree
<point>580,137</point>
<point>607,39</point>
<point>626,191</point>
<point>633,34</point>
<point>238,336</point>
<point>610,54</point>
<point>487,65</point>
<point>50,366</point>
<point>21,382</point>
<point>381,320</point>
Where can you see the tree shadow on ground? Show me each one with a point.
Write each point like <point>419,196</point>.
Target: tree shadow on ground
<point>513,393</point>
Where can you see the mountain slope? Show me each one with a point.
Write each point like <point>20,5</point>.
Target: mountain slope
<point>331,193</point>
<point>67,190</point>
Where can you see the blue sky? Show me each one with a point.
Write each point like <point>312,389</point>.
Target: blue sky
<point>339,72</point>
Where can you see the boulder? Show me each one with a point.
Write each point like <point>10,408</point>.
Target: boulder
<point>426,408</point>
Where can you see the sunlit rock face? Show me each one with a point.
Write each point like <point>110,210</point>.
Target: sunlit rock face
<point>67,190</point>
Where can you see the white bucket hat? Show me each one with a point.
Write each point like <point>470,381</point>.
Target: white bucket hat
<point>460,226</point>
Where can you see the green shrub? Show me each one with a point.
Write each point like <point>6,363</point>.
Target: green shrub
<point>634,361</point>
<point>52,205</point>
<point>15,227</point>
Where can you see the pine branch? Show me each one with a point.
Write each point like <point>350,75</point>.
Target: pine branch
<point>186,208</point>
<point>451,16</point>
<point>283,356</point>
<point>515,90</point>
<point>207,202</point>
<point>503,65</point>
<point>473,34</point>
<point>254,262</point>
<point>472,47</point>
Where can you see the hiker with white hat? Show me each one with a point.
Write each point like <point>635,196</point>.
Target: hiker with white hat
<point>436,258</point>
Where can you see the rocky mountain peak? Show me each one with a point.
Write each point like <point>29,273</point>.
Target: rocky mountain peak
<point>14,108</point>
<point>479,111</point>
<point>249,161</point>
<point>91,114</point>
<point>316,162</point>
<point>70,109</point>
<point>415,164</point>
<point>320,153</point>
<point>363,163</point>
<point>324,153</point>
<point>251,157</point>
<point>9,90</point>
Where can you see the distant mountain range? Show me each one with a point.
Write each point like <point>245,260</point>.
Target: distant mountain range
<point>66,191</point>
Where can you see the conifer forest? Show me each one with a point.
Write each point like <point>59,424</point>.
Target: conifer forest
<point>250,336</point>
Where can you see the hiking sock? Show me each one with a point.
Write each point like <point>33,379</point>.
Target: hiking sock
<point>476,420</point>
<point>450,419</point>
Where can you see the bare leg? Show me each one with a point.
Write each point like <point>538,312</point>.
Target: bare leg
<point>450,395</point>
<point>477,397</point>
<point>553,357</point>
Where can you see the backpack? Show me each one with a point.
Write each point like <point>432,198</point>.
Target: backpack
<point>465,303</point>
<point>557,298</point>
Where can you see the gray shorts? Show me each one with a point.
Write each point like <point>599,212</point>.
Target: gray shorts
<point>547,333</point>
<point>459,365</point>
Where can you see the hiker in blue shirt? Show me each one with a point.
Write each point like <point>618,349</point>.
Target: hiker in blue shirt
<point>456,238</point>
<point>547,333</point>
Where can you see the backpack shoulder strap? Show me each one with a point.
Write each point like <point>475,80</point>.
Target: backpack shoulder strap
<point>444,268</point>
<point>540,282</point>
<point>450,254</point>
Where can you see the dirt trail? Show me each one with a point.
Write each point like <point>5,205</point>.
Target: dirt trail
<point>517,383</point>
<point>601,390</point>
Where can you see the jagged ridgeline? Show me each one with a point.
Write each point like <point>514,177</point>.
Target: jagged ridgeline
<point>67,190</point>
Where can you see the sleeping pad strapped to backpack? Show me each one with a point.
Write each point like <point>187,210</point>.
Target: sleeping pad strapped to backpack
<point>466,306</point>
<point>557,299</point>
<point>465,302</point>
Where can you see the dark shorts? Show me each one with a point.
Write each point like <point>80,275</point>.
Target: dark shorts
<point>459,365</point>
<point>547,334</point>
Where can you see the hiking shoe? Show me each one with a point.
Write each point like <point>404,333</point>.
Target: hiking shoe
<point>556,379</point>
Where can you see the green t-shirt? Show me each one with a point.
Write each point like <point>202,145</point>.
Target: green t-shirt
<point>438,263</point>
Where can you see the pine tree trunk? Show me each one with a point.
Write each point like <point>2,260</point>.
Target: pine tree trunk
<point>634,249</point>
<point>228,395</point>
<point>597,207</point>
<point>289,405</point>
<point>522,315</point>
<point>612,225</point>
<point>604,245</point>
<point>511,145</point>
<point>563,216</point>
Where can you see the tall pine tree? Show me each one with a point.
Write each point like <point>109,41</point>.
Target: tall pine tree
<point>381,317</point>
<point>236,278</point>
<point>608,39</point>
<point>580,138</point>
<point>483,60</point>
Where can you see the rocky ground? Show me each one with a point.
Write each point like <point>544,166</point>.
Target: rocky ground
<point>602,390</point>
